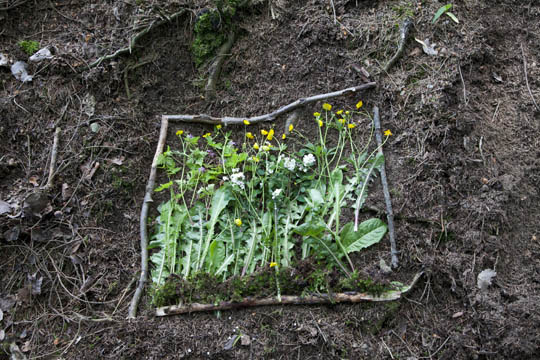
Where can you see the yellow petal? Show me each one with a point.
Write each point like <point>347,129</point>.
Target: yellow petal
<point>179,132</point>
<point>316,114</point>
<point>238,222</point>
<point>218,127</point>
<point>256,146</point>
<point>283,136</point>
<point>388,133</point>
<point>327,106</point>
<point>246,122</point>
<point>249,135</point>
<point>291,127</point>
<point>351,126</point>
<point>320,123</point>
<point>339,112</point>
<point>272,264</point>
<point>264,132</point>
<point>359,104</point>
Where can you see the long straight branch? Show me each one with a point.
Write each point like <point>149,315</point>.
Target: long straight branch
<point>348,297</point>
<point>132,312</point>
<point>387,200</point>
<point>227,120</point>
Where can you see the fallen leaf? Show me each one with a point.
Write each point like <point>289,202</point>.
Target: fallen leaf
<point>26,346</point>
<point>427,47</point>
<point>4,207</point>
<point>245,340</point>
<point>458,314</point>
<point>117,160</point>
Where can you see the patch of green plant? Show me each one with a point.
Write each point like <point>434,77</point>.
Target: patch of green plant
<point>234,210</point>
<point>444,10</point>
<point>30,47</point>
<point>212,28</point>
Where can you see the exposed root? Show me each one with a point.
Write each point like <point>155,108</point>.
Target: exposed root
<point>215,68</point>
<point>403,36</point>
<point>226,120</point>
<point>134,40</point>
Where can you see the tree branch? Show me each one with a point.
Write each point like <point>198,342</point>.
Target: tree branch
<point>348,297</point>
<point>227,120</point>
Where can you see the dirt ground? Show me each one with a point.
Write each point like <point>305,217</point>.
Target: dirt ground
<point>463,167</point>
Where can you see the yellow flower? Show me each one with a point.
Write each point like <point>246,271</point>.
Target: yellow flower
<point>256,146</point>
<point>342,121</point>
<point>270,135</point>
<point>249,135</point>
<point>206,135</point>
<point>238,222</point>
<point>283,136</point>
<point>264,132</point>
<point>291,127</point>
<point>327,106</point>
<point>316,114</point>
<point>351,126</point>
<point>388,133</point>
<point>218,127</point>
<point>256,159</point>
<point>179,132</point>
<point>266,147</point>
<point>246,122</point>
<point>359,104</point>
<point>339,112</point>
<point>320,123</point>
<point>347,112</point>
<point>272,264</point>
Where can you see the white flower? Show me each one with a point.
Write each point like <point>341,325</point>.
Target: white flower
<point>289,164</point>
<point>235,170</point>
<point>238,179</point>
<point>308,159</point>
<point>276,193</point>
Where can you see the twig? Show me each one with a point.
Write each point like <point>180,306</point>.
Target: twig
<point>333,10</point>
<point>526,78</point>
<point>464,89</point>
<point>54,154</point>
<point>226,120</point>
<point>387,200</point>
<point>350,297</point>
<point>12,6</point>
<point>215,68</point>
<point>132,312</point>
<point>133,41</point>
<point>403,36</point>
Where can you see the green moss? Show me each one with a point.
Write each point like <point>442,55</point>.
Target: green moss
<point>30,47</point>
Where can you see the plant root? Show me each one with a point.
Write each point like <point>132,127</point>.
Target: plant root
<point>403,36</point>
<point>226,120</point>
<point>348,297</point>
<point>132,312</point>
<point>134,40</point>
<point>384,182</point>
<point>215,68</point>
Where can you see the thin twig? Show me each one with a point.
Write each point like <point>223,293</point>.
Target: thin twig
<point>333,10</point>
<point>226,120</point>
<point>351,297</point>
<point>54,154</point>
<point>133,41</point>
<point>132,312</point>
<point>526,77</point>
<point>464,89</point>
<point>12,6</point>
<point>403,36</point>
<point>387,200</point>
<point>215,68</point>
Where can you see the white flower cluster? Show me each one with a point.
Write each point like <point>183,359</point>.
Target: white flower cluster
<point>289,164</point>
<point>276,193</point>
<point>308,160</point>
<point>237,178</point>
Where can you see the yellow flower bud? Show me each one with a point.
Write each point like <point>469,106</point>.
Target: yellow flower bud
<point>249,135</point>
<point>238,222</point>
<point>246,122</point>
<point>291,127</point>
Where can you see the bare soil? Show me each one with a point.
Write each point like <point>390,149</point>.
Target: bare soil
<point>463,167</point>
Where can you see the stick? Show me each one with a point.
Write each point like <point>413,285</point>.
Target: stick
<point>54,154</point>
<point>215,68</point>
<point>134,40</point>
<point>526,78</point>
<point>227,120</point>
<point>389,211</point>
<point>348,297</point>
<point>403,36</point>
<point>132,312</point>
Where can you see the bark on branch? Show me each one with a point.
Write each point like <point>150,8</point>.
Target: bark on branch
<point>227,120</point>
<point>352,297</point>
<point>132,312</point>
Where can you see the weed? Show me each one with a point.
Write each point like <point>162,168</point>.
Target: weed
<point>29,46</point>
